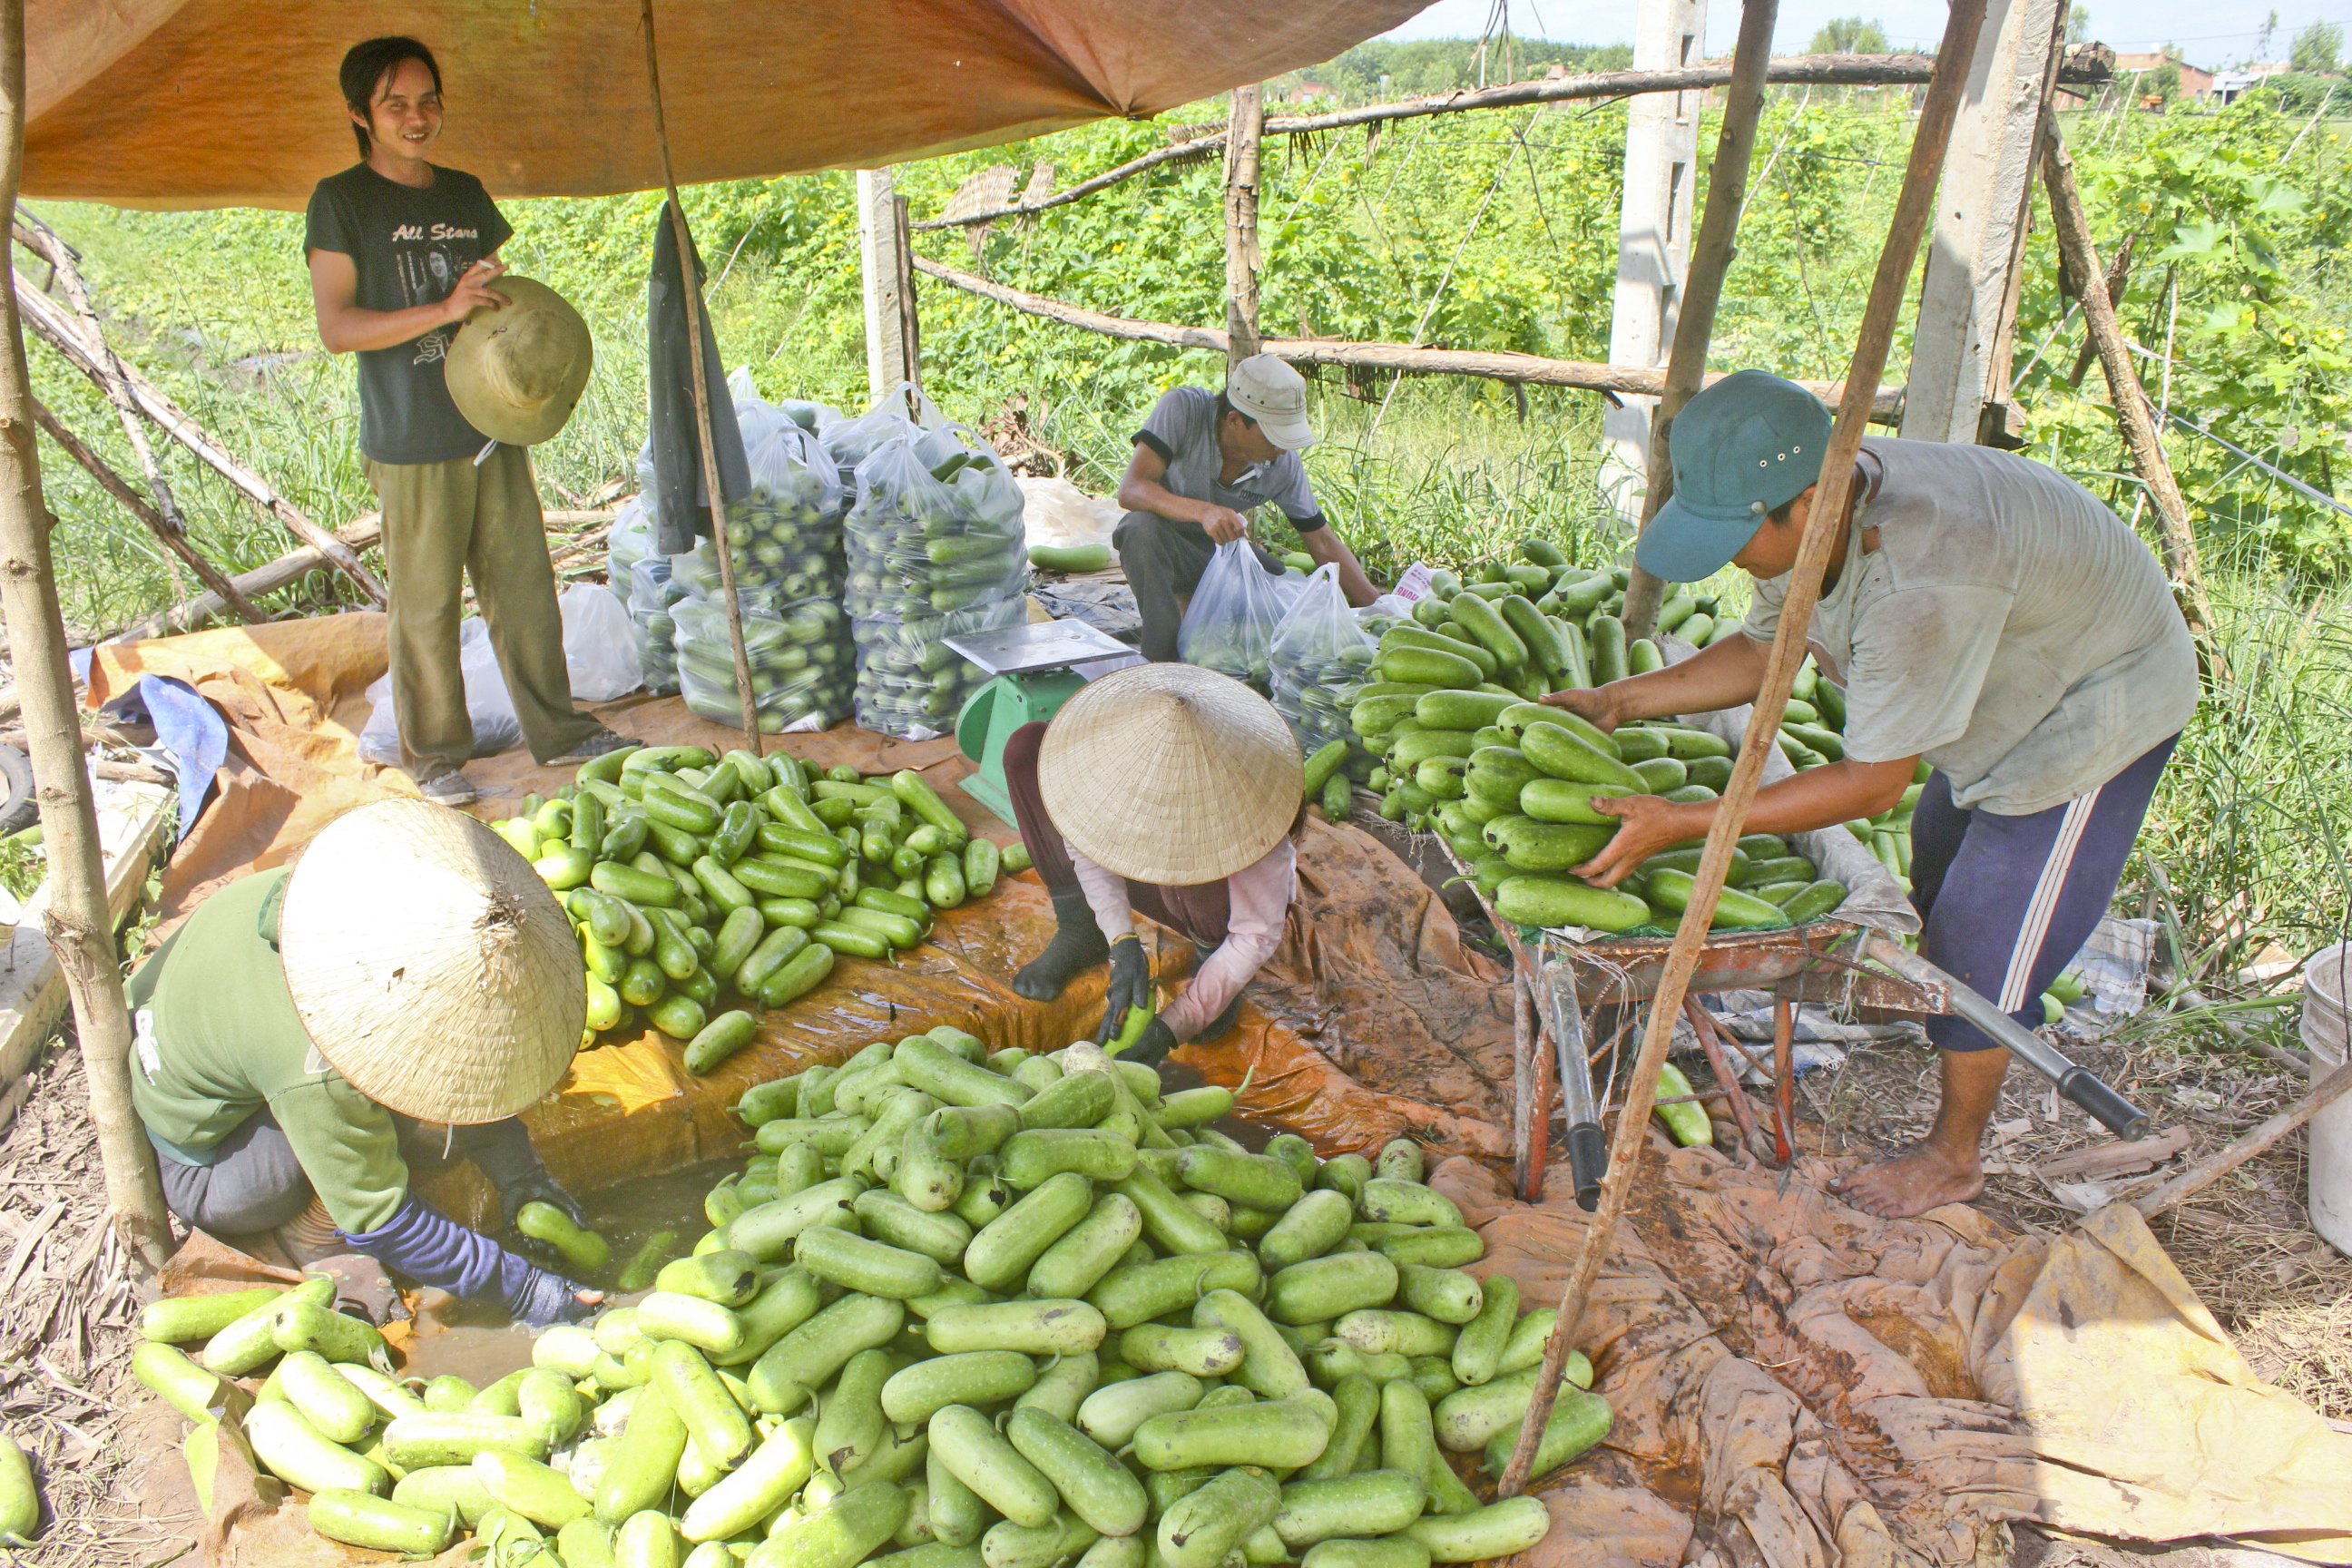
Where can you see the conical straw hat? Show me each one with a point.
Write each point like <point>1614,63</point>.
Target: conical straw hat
<point>1170,774</point>
<point>432,966</point>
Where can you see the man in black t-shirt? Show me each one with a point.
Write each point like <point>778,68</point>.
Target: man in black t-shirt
<point>401,252</point>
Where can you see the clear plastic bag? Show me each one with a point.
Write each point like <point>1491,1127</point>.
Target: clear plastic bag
<point>1319,653</point>
<point>629,541</point>
<point>803,663</point>
<point>935,548</point>
<point>852,441</point>
<point>600,650</point>
<point>911,683</point>
<point>495,727</point>
<point>1055,512</point>
<point>652,595</point>
<point>1229,626</point>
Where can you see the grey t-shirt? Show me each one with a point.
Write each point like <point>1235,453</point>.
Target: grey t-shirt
<point>2008,628</point>
<point>409,246</point>
<point>1182,428</point>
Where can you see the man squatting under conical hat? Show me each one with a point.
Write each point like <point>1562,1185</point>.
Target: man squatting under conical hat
<point>311,1038</point>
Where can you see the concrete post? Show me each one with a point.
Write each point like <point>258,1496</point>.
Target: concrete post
<point>1959,381</point>
<point>1653,232</point>
<point>881,266</point>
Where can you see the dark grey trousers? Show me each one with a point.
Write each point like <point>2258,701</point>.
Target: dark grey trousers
<point>256,1184</point>
<point>1164,559</point>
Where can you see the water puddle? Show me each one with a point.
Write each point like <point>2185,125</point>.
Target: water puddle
<point>475,1340</point>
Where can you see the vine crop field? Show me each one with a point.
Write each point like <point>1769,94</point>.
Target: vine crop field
<point>1496,231</point>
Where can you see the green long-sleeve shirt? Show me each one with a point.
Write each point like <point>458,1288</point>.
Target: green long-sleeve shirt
<point>218,1039</point>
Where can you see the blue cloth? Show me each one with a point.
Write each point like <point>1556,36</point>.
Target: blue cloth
<point>2008,901</point>
<point>434,1249</point>
<point>187,728</point>
<point>192,731</point>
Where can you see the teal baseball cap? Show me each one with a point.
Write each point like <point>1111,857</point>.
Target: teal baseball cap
<point>1748,444</point>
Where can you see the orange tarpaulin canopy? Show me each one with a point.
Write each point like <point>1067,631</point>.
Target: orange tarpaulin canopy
<point>204,103</point>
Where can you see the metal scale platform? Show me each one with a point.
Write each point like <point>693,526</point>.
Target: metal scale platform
<point>1032,672</point>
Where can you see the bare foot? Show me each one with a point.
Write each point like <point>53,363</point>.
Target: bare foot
<point>1910,1184</point>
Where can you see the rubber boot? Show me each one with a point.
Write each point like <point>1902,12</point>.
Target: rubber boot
<point>1077,944</point>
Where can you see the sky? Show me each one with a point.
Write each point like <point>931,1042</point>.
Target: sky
<point>2209,32</point>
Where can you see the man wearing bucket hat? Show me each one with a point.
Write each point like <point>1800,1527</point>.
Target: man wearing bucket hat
<point>1172,791</point>
<point>1205,460</point>
<point>456,379</point>
<point>308,1039</point>
<point>1981,612</point>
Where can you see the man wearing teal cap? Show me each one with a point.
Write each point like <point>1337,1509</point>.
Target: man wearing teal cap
<point>1981,611</point>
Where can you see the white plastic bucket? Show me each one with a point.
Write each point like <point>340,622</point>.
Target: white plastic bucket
<point>2326,1028</point>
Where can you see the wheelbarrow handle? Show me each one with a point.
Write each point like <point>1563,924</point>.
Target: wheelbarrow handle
<point>1588,1145</point>
<point>2085,1089</point>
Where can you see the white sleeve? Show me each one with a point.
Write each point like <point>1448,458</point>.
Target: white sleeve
<point>1106,895</point>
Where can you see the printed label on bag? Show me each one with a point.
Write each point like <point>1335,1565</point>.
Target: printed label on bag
<point>1415,584</point>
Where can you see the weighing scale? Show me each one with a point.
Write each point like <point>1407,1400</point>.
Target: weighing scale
<point>1032,678</point>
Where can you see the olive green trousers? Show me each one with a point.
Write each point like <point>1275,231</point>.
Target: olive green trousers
<point>441,522</point>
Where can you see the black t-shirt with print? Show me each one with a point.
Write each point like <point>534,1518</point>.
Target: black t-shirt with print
<point>410,247</point>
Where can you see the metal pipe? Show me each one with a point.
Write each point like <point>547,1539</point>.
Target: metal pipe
<point>1588,1146</point>
<point>2119,1115</point>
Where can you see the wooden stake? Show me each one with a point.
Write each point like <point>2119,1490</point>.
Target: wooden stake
<point>911,332</point>
<point>1533,369</point>
<point>46,318</point>
<point>80,925</point>
<point>2248,1144</point>
<point>2087,64</point>
<point>42,241</point>
<point>1242,257</point>
<point>168,529</point>
<point>2130,398</point>
<point>1711,257</point>
<point>1913,213</point>
<point>692,297</point>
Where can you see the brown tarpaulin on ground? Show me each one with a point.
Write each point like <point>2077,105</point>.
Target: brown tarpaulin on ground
<point>551,99</point>
<point>1799,1385</point>
<point>1365,941</point>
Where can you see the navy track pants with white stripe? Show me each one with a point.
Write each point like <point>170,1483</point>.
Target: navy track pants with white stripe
<point>2008,901</point>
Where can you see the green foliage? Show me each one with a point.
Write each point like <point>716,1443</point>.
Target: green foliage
<point>2240,279</point>
<point>1380,70</point>
<point>1849,36</point>
<point>2317,48</point>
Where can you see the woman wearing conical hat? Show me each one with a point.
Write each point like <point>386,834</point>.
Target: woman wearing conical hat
<point>312,1036</point>
<point>1171,791</point>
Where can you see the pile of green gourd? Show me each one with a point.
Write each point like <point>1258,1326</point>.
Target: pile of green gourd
<point>687,875</point>
<point>962,1311</point>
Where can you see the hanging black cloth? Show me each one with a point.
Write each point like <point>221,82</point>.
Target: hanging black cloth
<point>681,503</point>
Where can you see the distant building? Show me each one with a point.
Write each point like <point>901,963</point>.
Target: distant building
<point>2230,86</point>
<point>2195,80</point>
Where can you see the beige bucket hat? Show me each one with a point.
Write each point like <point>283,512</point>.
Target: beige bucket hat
<point>1170,774</point>
<point>517,373</point>
<point>432,966</point>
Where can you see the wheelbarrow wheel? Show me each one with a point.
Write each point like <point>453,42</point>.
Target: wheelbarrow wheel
<point>21,810</point>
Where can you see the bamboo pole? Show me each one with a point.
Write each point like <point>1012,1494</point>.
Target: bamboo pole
<point>1242,257</point>
<point>693,302</point>
<point>44,315</point>
<point>164,517</point>
<point>1885,409</point>
<point>2248,1144</point>
<point>2130,398</point>
<point>2087,64</point>
<point>1914,210</point>
<point>168,529</point>
<point>80,926</point>
<point>1701,293</point>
